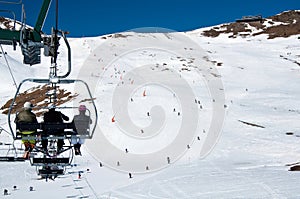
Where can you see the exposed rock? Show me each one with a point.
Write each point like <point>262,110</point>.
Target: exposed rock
<point>282,25</point>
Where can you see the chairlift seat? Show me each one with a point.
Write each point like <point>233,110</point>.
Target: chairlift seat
<point>56,128</point>
<point>82,128</point>
<point>44,128</point>
<point>32,126</point>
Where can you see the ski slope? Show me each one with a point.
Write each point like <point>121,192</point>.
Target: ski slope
<point>259,79</point>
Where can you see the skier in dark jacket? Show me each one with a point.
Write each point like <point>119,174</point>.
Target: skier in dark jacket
<point>81,123</point>
<point>26,116</point>
<point>53,116</point>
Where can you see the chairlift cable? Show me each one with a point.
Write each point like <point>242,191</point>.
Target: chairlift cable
<point>10,71</point>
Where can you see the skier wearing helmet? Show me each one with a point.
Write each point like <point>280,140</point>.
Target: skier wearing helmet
<point>81,123</point>
<point>26,116</point>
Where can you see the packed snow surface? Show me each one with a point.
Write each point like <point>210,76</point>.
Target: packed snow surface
<point>260,80</point>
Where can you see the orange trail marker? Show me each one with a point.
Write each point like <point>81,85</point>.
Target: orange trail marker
<point>113,119</point>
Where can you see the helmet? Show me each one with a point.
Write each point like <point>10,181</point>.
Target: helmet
<point>28,105</point>
<point>82,108</point>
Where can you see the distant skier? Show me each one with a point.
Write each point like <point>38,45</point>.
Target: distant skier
<point>81,123</point>
<point>26,116</point>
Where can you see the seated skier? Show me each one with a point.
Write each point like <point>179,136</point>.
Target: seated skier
<point>26,116</point>
<point>53,116</point>
<point>81,123</point>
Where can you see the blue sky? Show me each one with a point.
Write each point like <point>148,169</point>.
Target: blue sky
<point>97,17</point>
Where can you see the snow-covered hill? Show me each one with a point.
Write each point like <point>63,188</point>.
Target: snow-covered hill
<point>239,93</point>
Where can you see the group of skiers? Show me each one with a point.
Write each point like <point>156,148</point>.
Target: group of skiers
<point>81,123</point>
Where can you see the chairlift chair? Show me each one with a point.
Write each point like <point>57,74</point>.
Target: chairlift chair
<point>43,158</point>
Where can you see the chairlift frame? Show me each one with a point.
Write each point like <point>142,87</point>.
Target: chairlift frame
<point>36,40</point>
<point>47,81</point>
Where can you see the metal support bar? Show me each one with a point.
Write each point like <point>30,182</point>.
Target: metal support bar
<point>42,16</point>
<point>69,56</point>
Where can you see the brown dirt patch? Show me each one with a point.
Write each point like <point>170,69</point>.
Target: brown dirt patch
<point>37,96</point>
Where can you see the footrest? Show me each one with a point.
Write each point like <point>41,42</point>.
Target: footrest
<point>50,172</point>
<point>11,159</point>
<point>50,161</point>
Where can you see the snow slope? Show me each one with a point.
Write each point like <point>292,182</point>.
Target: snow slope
<point>260,80</point>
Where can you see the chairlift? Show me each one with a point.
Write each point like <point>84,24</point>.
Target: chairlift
<point>51,161</point>
<point>47,131</point>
